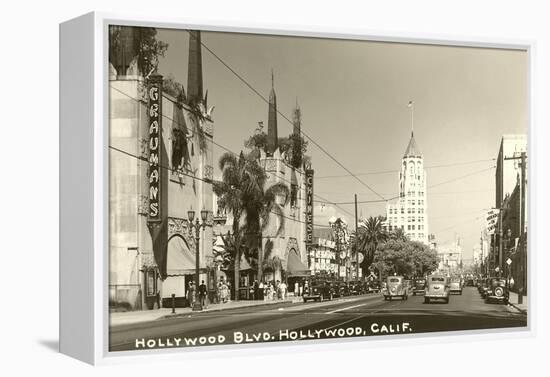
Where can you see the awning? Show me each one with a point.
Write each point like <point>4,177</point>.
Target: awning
<point>295,267</point>
<point>180,260</point>
<point>244,264</point>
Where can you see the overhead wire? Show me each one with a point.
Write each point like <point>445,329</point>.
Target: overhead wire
<point>242,79</point>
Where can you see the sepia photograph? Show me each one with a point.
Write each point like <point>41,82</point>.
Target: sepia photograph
<point>272,188</point>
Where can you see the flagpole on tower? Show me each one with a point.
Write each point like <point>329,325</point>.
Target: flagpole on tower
<point>411,105</point>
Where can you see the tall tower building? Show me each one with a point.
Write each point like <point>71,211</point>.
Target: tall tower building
<point>410,212</point>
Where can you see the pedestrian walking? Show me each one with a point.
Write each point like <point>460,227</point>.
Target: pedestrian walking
<point>283,289</point>
<point>296,289</point>
<point>191,294</point>
<point>270,291</point>
<point>228,287</point>
<point>202,294</point>
<point>278,289</point>
<point>261,291</point>
<point>223,290</point>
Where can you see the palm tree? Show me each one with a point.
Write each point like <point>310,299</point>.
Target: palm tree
<point>369,235</point>
<point>242,193</point>
<point>398,235</point>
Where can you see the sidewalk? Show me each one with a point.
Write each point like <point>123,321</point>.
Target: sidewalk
<point>138,316</point>
<point>513,301</point>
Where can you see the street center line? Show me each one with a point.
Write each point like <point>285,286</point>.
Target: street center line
<point>346,308</point>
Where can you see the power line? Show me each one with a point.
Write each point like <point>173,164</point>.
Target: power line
<point>437,184</point>
<point>396,171</point>
<point>230,151</point>
<point>284,116</point>
<point>208,181</point>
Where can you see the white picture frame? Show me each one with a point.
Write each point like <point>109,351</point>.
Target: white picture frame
<point>84,188</point>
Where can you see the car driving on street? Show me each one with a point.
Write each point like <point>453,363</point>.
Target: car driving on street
<point>437,288</point>
<point>456,285</point>
<point>396,287</point>
<point>419,286</point>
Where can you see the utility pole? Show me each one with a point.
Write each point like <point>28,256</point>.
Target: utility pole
<point>355,241</point>
<point>523,252</point>
<point>500,251</point>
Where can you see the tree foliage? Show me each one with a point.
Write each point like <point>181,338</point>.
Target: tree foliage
<point>137,42</point>
<point>408,258</point>
<point>369,235</point>
<point>244,193</point>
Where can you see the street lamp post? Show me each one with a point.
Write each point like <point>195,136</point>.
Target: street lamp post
<point>197,225</point>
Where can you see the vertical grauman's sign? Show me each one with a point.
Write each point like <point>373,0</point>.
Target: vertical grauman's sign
<point>155,142</point>
<point>309,206</point>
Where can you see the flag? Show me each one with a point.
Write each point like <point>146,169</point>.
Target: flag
<point>410,104</point>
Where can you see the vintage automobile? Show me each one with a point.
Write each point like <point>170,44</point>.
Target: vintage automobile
<point>355,287</point>
<point>437,287</point>
<point>485,287</point>
<point>345,289</point>
<point>337,288</point>
<point>419,286</point>
<point>497,291</point>
<point>456,285</point>
<point>469,282</point>
<point>480,285</point>
<point>318,290</point>
<point>396,287</point>
<point>373,286</point>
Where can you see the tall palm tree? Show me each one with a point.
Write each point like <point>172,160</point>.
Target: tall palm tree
<point>369,235</point>
<point>244,194</point>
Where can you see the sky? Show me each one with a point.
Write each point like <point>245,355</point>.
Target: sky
<point>353,96</point>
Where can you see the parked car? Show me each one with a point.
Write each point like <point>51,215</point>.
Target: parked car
<point>345,289</point>
<point>337,288</point>
<point>497,291</point>
<point>396,287</point>
<point>485,287</point>
<point>419,286</point>
<point>318,290</point>
<point>456,285</point>
<point>356,287</point>
<point>373,286</point>
<point>437,287</point>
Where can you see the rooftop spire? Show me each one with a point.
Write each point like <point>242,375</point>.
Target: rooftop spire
<point>272,136</point>
<point>411,106</point>
<point>194,68</point>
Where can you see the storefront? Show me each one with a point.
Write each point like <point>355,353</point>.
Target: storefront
<point>296,271</point>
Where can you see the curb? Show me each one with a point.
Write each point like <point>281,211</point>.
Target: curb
<point>176,315</point>
<point>522,311</point>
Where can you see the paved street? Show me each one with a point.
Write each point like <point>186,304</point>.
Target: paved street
<point>366,315</point>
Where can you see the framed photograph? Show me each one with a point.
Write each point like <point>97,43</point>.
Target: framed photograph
<point>230,188</point>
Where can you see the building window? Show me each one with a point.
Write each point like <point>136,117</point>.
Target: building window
<point>402,210</point>
<point>408,210</point>
<point>408,227</point>
<point>412,227</point>
<point>413,202</point>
